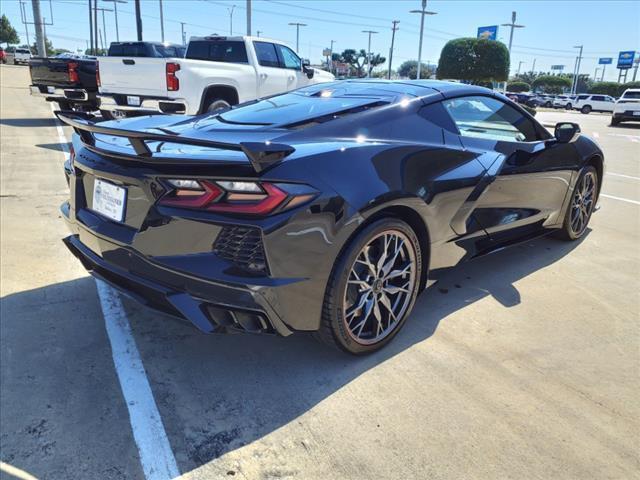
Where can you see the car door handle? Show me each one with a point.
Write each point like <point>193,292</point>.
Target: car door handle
<point>263,76</point>
<point>128,61</point>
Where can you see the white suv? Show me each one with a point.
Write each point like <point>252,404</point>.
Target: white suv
<point>627,107</point>
<point>564,101</point>
<point>594,103</point>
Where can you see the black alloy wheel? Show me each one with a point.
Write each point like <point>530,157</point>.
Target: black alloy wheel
<point>583,202</point>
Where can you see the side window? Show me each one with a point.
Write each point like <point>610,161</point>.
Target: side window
<point>289,59</point>
<point>598,98</point>
<point>490,118</point>
<point>266,53</point>
<point>582,97</point>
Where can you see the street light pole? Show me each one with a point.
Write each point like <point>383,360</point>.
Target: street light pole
<point>298,25</point>
<point>370,32</point>
<point>249,18</point>
<point>138,20</point>
<point>23,15</point>
<point>511,25</point>
<point>233,7</point>
<point>184,39</point>
<point>519,65</point>
<point>331,57</point>
<point>104,26</point>
<point>393,38</point>
<point>422,13</point>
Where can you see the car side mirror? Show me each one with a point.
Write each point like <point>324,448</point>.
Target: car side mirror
<point>306,68</point>
<point>567,132</point>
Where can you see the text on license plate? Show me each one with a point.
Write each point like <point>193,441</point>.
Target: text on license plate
<point>637,114</point>
<point>109,199</point>
<point>134,101</point>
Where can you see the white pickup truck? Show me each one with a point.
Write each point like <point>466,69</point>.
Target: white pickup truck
<point>216,72</point>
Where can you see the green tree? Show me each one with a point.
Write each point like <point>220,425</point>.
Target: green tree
<point>357,60</point>
<point>623,86</point>
<point>376,59</point>
<point>48,45</point>
<point>475,60</point>
<point>605,88</point>
<point>8,34</point>
<point>410,69</point>
<point>100,52</point>
<point>551,83</point>
<point>518,87</point>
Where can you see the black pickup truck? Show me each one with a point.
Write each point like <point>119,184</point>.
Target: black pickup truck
<point>68,80</point>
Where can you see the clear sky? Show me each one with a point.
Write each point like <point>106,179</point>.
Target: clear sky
<point>551,30</point>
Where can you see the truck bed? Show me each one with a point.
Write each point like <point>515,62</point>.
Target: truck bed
<point>55,72</point>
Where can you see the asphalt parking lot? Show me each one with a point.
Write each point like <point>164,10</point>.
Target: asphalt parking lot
<point>524,364</point>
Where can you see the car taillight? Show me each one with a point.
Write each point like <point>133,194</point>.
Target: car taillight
<point>98,74</point>
<point>73,74</point>
<point>173,83</point>
<point>241,197</point>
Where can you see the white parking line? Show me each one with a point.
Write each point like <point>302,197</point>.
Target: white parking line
<point>61,138</point>
<point>154,449</point>
<point>156,457</point>
<point>623,176</point>
<point>635,202</point>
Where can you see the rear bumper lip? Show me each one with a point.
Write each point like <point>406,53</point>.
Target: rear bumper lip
<point>152,105</point>
<point>181,303</point>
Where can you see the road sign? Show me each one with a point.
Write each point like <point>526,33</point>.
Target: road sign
<point>605,61</point>
<point>488,33</point>
<point>557,67</point>
<point>326,52</point>
<point>625,59</point>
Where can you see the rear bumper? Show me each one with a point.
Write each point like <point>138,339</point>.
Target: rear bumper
<point>115,103</point>
<point>211,306</point>
<point>54,94</point>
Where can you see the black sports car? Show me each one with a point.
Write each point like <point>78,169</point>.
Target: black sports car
<point>324,210</point>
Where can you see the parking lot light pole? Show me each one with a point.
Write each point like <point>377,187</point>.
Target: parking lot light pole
<point>595,74</point>
<point>184,37</point>
<point>161,22</point>
<point>422,13</point>
<point>298,25</point>
<point>233,7</point>
<point>511,25</point>
<point>370,32</point>
<point>519,65</point>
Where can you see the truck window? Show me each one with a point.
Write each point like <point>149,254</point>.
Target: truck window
<point>217,51</point>
<point>289,59</point>
<point>128,50</point>
<point>168,51</point>
<point>266,53</point>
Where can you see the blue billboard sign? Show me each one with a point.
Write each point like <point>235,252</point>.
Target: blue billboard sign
<point>488,33</point>
<point>625,59</point>
<point>605,61</point>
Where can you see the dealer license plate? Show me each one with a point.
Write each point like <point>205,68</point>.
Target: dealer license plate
<point>109,200</point>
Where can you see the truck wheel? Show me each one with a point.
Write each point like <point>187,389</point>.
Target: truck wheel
<point>215,105</point>
<point>568,106</point>
<point>615,121</point>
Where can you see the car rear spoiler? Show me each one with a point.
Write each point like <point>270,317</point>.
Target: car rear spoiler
<point>261,155</point>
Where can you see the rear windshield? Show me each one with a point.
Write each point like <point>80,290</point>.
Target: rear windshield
<point>292,108</point>
<point>169,51</point>
<point>218,51</point>
<point>22,50</point>
<point>631,95</point>
<point>128,50</point>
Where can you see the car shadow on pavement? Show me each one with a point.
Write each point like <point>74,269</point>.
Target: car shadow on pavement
<point>28,122</point>
<point>217,393</point>
<point>52,146</point>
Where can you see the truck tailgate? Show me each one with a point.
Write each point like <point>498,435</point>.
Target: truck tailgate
<point>134,76</point>
<point>50,71</point>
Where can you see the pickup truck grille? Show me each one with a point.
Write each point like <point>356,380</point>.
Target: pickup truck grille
<point>243,247</point>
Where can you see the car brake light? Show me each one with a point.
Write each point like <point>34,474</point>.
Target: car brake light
<point>98,74</point>
<point>73,74</point>
<point>173,83</point>
<point>241,197</point>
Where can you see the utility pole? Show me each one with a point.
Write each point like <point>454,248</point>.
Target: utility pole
<point>604,66</point>
<point>370,32</point>
<point>37,20</point>
<point>91,49</point>
<point>519,65</point>
<point>422,13</point>
<point>115,10</point>
<point>298,25</point>
<point>577,75</point>
<point>161,22</point>
<point>184,38</point>
<point>96,35</point>
<point>258,32</point>
<point>104,26</point>
<point>595,74</point>
<point>393,37</point>
<point>233,7</point>
<point>23,16</point>
<point>533,67</point>
<point>249,18</point>
<point>138,20</point>
<point>511,25</point>
<point>331,57</point>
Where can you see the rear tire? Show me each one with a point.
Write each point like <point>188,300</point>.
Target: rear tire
<point>367,303</point>
<point>581,206</point>
<point>568,106</point>
<point>586,109</point>
<point>216,105</point>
